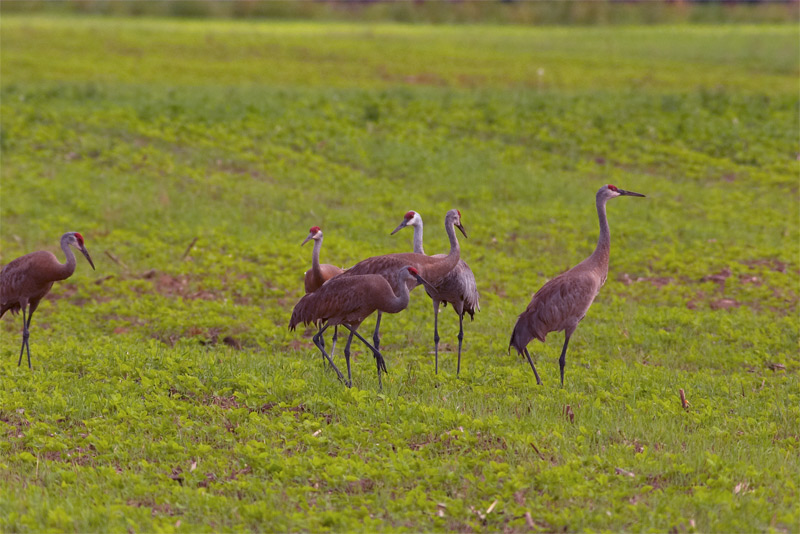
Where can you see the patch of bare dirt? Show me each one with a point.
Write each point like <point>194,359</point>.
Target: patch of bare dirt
<point>724,304</point>
<point>719,278</point>
<point>156,509</point>
<point>363,485</point>
<point>208,337</point>
<point>16,422</point>
<point>748,279</point>
<point>657,281</point>
<point>772,264</point>
<point>226,403</point>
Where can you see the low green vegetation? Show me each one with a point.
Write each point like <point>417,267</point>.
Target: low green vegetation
<point>167,393</point>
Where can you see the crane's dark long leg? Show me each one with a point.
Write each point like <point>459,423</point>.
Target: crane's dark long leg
<point>460,340</point>
<point>322,342</point>
<point>317,341</point>
<point>335,336</point>
<point>333,346</point>
<point>24,338</point>
<point>528,355</point>
<point>376,337</point>
<point>349,382</point>
<point>378,356</point>
<point>562,361</point>
<point>27,332</point>
<point>436,336</point>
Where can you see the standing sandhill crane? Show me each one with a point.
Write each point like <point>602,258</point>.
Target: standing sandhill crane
<point>431,268</point>
<point>348,301</point>
<point>27,279</point>
<point>562,302</point>
<point>319,274</point>
<point>458,288</point>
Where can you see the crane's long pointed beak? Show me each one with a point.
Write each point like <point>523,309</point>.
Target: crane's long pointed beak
<point>629,193</point>
<point>86,253</point>
<point>306,240</point>
<point>399,227</point>
<point>463,230</point>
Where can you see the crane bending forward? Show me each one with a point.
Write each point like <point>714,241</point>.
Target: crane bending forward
<point>563,301</point>
<point>27,279</point>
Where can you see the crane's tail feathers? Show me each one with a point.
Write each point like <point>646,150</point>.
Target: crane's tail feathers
<point>520,337</point>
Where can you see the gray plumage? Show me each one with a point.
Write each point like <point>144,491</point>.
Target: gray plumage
<point>348,301</point>
<point>319,274</point>
<point>431,268</point>
<point>562,302</point>
<point>27,279</point>
<point>458,288</point>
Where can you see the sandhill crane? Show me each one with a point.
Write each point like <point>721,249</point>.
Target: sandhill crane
<point>431,268</point>
<point>458,288</point>
<point>319,274</point>
<point>348,301</point>
<point>27,279</point>
<point>562,302</point>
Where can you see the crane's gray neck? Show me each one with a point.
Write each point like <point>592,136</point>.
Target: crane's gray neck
<point>400,299</point>
<point>315,268</point>
<point>67,268</point>
<point>418,237</point>
<point>455,248</point>
<point>442,268</point>
<point>604,241</point>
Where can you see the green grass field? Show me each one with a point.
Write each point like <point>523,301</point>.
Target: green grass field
<point>145,134</point>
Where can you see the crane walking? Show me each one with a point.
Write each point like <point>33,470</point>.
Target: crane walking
<point>458,288</point>
<point>27,279</point>
<point>563,301</point>
<point>431,268</point>
<point>319,274</point>
<point>348,301</point>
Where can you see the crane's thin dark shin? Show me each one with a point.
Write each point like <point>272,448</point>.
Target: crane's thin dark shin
<point>528,355</point>
<point>378,356</point>
<point>333,345</point>
<point>24,340</point>
<point>562,361</point>
<point>27,335</point>
<point>322,342</point>
<point>436,336</point>
<point>349,382</point>
<point>376,337</point>
<point>460,340</point>
<point>321,347</point>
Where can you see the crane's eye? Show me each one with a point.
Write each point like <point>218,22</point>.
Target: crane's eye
<point>413,271</point>
<point>79,238</point>
<point>409,215</point>
<point>613,187</point>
